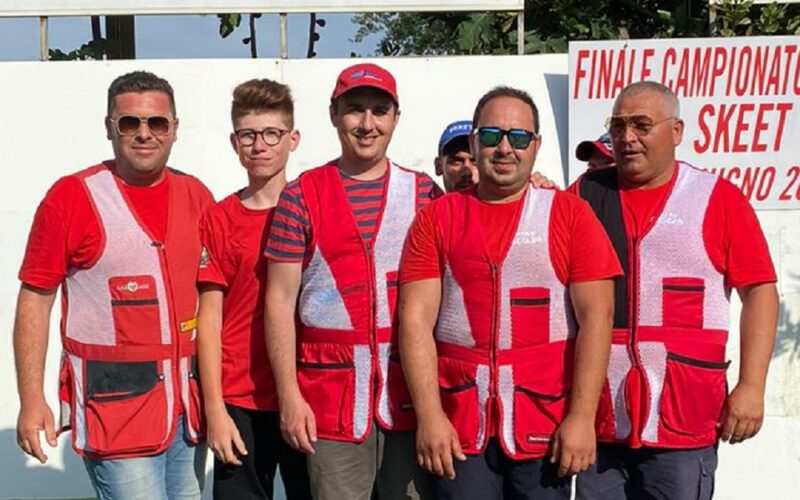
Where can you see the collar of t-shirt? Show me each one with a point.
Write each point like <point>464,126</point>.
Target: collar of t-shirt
<point>643,205</point>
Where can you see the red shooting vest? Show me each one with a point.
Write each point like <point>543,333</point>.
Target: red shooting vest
<point>347,366</point>
<point>505,333</point>
<point>666,376</point>
<point>128,331</point>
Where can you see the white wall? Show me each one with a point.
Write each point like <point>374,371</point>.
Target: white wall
<point>53,125</point>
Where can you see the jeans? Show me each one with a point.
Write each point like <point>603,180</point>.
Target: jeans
<point>176,473</point>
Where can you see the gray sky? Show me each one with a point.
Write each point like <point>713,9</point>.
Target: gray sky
<point>179,37</point>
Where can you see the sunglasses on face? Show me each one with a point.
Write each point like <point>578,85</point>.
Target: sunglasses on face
<point>518,138</point>
<point>640,124</point>
<point>270,136</point>
<point>129,125</point>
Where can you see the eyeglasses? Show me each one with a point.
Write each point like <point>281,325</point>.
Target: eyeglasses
<point>129,125</point>
<point>270,136</point>
<point>518,138</point>
<point>640,124</point>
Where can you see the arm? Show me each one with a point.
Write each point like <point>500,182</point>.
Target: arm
<point>743,412</point>
<point>437,440</point>
<point>574,446</point>
<point>31,329</point>
<point>296,417</point>
<point>223,435</point>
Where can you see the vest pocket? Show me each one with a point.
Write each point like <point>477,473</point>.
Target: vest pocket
<point>694,392</point>
<point>326,375</point>
<point>134,307</point>
<point>125,407</point>
<point>682,302</point>
<point>458,390</point>
<point>536,417</point>
<point>530,315</point>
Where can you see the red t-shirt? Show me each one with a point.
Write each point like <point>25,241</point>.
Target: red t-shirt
<point>66,232</point>
<point>733,237</point>
<point>233,238</point>
<point>579,247</point>
<point>290,233</point>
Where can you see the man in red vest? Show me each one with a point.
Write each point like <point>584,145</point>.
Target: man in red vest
<point>120,239</point>
<point>505,320</point>
<point>454,161</point>
<point>685,238</point>
<point>334,249</point>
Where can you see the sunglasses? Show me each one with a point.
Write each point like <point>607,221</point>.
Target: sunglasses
<point>518,138</point>
<point>640,125</point>
<point>271,136</point>
<point>129,125</point>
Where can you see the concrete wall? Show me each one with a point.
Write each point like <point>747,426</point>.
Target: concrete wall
<point>53,125</point>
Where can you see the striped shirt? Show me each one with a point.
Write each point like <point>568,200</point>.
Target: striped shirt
<point>290,234</point>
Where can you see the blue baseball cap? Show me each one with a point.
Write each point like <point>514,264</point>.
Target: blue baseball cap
<point>455,130</point>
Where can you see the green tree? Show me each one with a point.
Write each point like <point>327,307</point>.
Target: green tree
<point>550,25</point>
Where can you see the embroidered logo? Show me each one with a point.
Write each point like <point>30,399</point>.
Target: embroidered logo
<point>671,218</point>
<point>527,238</point>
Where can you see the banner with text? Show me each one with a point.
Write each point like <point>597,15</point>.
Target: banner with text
<point>740,103</point>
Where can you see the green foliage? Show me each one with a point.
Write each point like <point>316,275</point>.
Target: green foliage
<point>550,25</point>
<point>91,50</point>
<point>743,18</point>
<point>228,23</point>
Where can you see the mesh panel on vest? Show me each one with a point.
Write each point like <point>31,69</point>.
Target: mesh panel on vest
<point>361,403</point>
<point>505,389</point>
<point>452,325</point>
<point>398,214</point>
<point>675,247</point>
<point>383,400</point>
<point>619,364</point>
<point>320,303</point>
<point>80,402</point>
<point>654,362</point>
<point>528,263</point>
<point>482,380</point>
<point>128,251</point>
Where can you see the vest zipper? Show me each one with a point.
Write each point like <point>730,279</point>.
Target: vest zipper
<point>633,300</point>
<point>493,340</point>
<point>373,325</point>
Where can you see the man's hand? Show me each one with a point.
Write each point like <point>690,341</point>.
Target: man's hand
<point>574,445</point>
<point>540,181</point>
<point>437,444</point>
<point>223,438</point>
<point>742,414</point>
<point>298,425</point>
<point>33,418</point>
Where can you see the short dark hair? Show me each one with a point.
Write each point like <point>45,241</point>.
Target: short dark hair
<point>504,91</point>
<point>138,82</point>
<point>262,96</point>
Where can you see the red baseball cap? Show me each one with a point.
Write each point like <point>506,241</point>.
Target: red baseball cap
<point>586,149</point>
<point>365,75</point>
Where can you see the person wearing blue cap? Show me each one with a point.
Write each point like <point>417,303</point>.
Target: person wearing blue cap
<point>454,162</point>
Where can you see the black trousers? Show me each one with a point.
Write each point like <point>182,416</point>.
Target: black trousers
<point>267,450</point>
<point>493,475</point>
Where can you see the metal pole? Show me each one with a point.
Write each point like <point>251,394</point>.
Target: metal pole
<point>521,32</point>
<point>284,35</point>
<point>44,48</point>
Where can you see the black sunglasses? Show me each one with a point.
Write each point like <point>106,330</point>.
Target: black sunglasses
<point>518,138</point>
